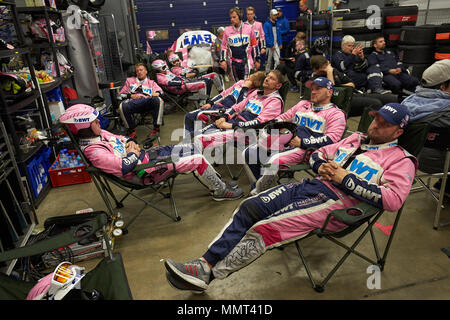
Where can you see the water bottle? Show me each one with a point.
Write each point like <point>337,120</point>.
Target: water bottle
<point>43,175</point>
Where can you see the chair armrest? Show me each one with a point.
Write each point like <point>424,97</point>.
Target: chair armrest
<point>294,167</point>
<point>353,215</point>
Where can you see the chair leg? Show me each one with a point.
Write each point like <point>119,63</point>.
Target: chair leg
<point>442,191</point>
<point>318,288</point>
<point>172,199</point>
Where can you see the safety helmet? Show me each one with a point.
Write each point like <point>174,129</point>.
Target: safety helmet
<point>159,64</point>
<point>78,116</point>
<point>56,285</point>
<point>173,57</point>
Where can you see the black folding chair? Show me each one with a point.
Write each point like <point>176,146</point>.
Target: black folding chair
<point>355,217</point>
<point>438,139</point>
<point>104,180</point>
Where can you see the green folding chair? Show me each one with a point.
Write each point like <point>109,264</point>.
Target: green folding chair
<point>413,140</point>
<point>108,277</point>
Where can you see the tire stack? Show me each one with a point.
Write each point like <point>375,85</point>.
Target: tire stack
<point>442,42</point>
<point>393,19</point>
<point>320,26</point>
<point>362,26</point>
<point>416,48</point>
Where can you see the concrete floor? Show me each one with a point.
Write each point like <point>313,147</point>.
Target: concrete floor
<point>416,267</point>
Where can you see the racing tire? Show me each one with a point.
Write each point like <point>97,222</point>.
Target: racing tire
<point>442,36</point>
<point>396,17</point>
<point>416,54</point>
<point>412,35</point>
<point>442,52</point>
<point>320,22</point>
<point>391,36</point>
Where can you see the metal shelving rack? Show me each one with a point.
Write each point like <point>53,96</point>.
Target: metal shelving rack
<point>47,12</point>
<point>34,101</point>
<point>17,216</point>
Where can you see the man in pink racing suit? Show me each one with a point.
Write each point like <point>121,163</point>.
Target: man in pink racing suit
<point>250,113</point>
<point>119,155</point>
<point>258,30</point>
<point>222,102</point>
<point>141,95</point>
<point>239,47</point>
<point>368,167</point>
<point>319,123</point>
<point>176,84</point>
<point>189,73</point>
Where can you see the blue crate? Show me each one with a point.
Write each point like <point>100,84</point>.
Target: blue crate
<point>37,170</point>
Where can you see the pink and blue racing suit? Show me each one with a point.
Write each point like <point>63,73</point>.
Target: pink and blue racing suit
<point>143,88</point>
<point>318,126</point>
<point>212,76</point>
<point>178,85</point>
<point>381,175</point>
<point>250,113</point>
<point>240,50</point>
<point>107,152</point>
<point>223,101</point>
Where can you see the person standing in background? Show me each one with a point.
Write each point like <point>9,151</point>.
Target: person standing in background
<point>258,30</point>
<point>283,25</point>
<point>273,41</point>
<point>239,47</point>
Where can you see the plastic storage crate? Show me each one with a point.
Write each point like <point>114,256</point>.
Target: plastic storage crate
<point>68,176</point>
<point>37,170</point>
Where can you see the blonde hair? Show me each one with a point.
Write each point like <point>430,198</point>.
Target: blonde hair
<point>250,9</point>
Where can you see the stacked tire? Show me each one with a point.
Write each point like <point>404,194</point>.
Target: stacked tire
<point>393,19</point>
<point>416,48</point>
<point>442,38</point>
<point>320,26</point>
<point>362,26</point>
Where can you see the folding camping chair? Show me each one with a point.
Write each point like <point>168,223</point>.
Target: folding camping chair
<point>103,180</point>
<point>438,139</point>
<point>354,217</point>
<point>283,91</point>
<point>108,277</point>
<point>181,101</point>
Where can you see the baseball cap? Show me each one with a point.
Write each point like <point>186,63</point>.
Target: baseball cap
<point>321,81</point>
<point>274,12</point>
<point>394,113</point>
<point>437,73</point>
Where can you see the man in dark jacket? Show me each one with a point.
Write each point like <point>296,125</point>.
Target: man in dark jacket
<point>394,72</point>
<point>351,60</point>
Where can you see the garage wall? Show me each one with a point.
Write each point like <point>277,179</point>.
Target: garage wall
<point>174,15</point>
